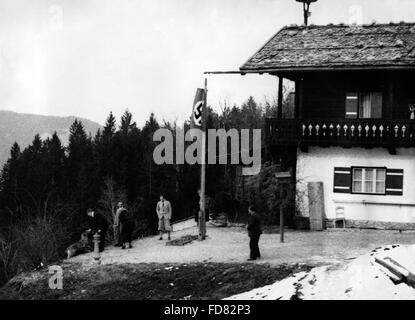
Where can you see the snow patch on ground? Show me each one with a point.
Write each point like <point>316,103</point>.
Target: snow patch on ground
<point>361,279</point>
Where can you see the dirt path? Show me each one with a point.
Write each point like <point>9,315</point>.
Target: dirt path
<point>149,281</point>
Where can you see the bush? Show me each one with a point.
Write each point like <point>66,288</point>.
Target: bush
<point>263,191</point>
<point>40,241</point>
<point>8,260</point>
<point>31,244</point>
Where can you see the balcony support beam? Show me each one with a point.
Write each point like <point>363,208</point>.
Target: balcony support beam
<point>280,96</point>
<point>298,98</point>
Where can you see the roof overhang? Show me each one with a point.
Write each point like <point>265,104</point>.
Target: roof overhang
<point>290,72</point>
<point>327,68</point>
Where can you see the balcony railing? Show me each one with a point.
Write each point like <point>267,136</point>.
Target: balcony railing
<point>346,132</point>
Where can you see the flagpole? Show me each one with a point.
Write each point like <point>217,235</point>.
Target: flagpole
<point>202,224</point>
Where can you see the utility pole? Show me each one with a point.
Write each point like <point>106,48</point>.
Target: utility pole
<point>202,214</point>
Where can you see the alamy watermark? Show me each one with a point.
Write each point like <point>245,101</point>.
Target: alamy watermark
<point>56,280</point>
<point>242,149</point>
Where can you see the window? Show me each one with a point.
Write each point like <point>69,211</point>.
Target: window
<point>369,180</point>
<point>364,105</point>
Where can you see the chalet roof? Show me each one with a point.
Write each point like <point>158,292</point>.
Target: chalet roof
<point>336,47</point>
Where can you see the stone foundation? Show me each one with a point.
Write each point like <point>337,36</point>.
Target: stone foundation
<point>368,224</point>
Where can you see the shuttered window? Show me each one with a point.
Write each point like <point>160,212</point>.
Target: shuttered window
<point>364,105</point>
<point>369,180</point>
<point>366,180</point>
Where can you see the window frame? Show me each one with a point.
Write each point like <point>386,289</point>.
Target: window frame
<point>353,168</point>
<point>358,99</point>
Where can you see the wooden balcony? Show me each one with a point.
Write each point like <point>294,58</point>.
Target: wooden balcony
<point>345,132</point>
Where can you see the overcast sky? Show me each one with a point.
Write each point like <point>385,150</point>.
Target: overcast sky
<point>87,57</point>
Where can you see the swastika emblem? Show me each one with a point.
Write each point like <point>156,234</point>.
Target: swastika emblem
<point>197,113</point>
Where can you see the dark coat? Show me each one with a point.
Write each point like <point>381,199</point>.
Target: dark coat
<point>254,225</point>
<point>98,222</point>
<point>126,226</point>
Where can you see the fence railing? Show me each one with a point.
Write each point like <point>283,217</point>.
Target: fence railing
<point>354,132</point>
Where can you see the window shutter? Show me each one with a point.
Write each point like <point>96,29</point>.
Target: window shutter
<point>351,105</point>
<point>394,182</point>
<point>342,180</point>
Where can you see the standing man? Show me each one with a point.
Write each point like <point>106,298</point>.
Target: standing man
<point>196,208</point>
<point>254,232</point>
<point>126,229</point>
<point>98,224</point>
<point>163,210</point>
<point>117,230</point>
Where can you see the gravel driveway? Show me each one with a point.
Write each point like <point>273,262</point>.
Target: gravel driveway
<point>228,245</point>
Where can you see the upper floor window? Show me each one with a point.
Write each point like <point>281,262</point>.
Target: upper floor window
<point>364,105</point>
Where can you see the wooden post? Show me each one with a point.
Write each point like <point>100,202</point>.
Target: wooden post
<point>281,223</point>
<point>281,216</point>
<point>316,205</point>
<point>280,96</point>
<point>300,97</point>
<point>202,215</point>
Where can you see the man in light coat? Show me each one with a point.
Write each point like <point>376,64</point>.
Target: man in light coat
<point>164,211</point>
<point>117,231</point>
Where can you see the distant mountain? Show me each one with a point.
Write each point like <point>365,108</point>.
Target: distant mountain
<point>22,127</point>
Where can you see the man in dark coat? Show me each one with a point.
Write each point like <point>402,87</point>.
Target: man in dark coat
<point>98,224</point>
<point>126,228</point>
<point>254,232</point>
<point>196,208</point>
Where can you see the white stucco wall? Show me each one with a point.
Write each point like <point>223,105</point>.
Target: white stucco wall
<point>318,165</point>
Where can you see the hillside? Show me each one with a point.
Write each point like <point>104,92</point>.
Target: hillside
<point>216,268</point>
<point>22,127</point>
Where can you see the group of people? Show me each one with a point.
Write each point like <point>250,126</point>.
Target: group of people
<point>124,226</point>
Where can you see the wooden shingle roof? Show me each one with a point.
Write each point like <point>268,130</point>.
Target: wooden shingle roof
<point>336,47</point>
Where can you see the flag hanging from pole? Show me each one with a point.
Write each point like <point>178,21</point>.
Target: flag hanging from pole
<point>198,120</point>
<point>198,104</point>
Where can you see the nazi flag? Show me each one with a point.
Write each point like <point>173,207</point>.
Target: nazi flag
<point>198,104</point>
